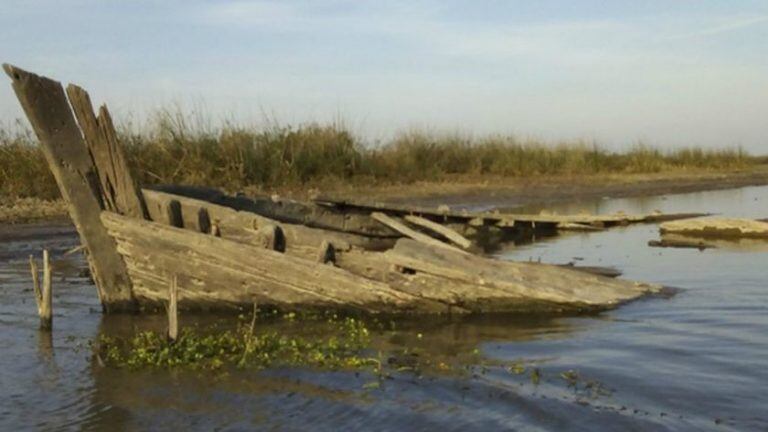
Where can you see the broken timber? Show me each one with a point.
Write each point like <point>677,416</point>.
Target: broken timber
<point>203,249</point>
<point>47,109</point>
<point>503,220</point>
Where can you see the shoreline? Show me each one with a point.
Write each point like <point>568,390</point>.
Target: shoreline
<point>500,192</point>
<point>515,192</point>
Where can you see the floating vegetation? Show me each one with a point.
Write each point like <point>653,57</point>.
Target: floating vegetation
<point>342,346</point>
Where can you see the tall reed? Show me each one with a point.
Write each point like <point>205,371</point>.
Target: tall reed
<point>178,148</point>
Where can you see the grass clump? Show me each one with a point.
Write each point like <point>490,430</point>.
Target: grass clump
<point>185,149</point>
<point>342,345</point>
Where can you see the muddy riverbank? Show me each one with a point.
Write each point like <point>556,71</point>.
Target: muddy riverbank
<point>507,193</point>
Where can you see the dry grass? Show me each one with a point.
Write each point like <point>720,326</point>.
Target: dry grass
<point>177,148</point>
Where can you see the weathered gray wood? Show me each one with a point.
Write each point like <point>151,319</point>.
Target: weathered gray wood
<point>173,309</point>
<point>271,237</point>
<point>533,281</point>
<point>326,253</point>
<point>242,225</point>
<point>221,271</point>
<point>119,192</point>
<point>45,304</point>
<point>444,231</point>
<point>203,220</point>
<point>43,295</point>
<point>717,227</point>
<point>408,232</point>
<point>46,107</point>
<point>503,220</point>
<point>173,215</point>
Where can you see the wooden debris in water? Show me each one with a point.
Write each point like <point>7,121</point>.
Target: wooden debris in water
<point>44,294</point>
<point>717,227</point>
<point>173,309</point>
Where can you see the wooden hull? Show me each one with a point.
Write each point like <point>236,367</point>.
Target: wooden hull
<point>223,252</point>
<point>234,269</point>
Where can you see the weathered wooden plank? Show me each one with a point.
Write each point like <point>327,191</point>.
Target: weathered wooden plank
<point>717,227</point>
<point>119,192</point>
<point>534,281</point>
<point>234,224</point>
<point>289,211</point>
<point>173,309</point>
<point>500,219</point>
<point>408,232</point>
<point>326,253</point>
<point>444,231</point>
<point>46,107</point>
<point>278,278</point>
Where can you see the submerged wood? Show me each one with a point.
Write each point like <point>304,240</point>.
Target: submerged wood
<point>717,228</point>
<point>50,115</point>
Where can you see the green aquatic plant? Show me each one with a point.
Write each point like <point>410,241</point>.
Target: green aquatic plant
<point>343,346</point>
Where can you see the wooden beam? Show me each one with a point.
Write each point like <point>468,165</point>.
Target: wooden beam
<point>119,191</point>
<point>49,113</point>
<point>408,232</point>
<point>223,272</point>
<point>444,231</point>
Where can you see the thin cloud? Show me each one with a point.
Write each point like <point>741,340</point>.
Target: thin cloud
<point>732,25</point>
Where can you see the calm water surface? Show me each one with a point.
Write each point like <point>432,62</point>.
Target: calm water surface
<point>695,361</point>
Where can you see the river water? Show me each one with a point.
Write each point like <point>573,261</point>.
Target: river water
<point>697,360</point>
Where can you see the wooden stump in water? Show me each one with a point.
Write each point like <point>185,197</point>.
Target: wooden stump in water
<point>173,309</point>
<point>44,295</point>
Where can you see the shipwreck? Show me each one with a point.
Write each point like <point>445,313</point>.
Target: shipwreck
<point>224,251</point>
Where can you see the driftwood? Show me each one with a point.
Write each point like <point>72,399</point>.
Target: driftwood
<point>47,109</point>
<point>718,228</point>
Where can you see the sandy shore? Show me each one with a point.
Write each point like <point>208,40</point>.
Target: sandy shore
<point>504,192</point>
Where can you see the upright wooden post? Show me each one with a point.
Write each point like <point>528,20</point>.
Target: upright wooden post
<point>49,113</point>
<point>173,309</point>
<point>44,295</point>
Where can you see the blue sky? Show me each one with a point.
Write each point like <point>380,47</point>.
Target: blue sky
<point>669,73</point>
